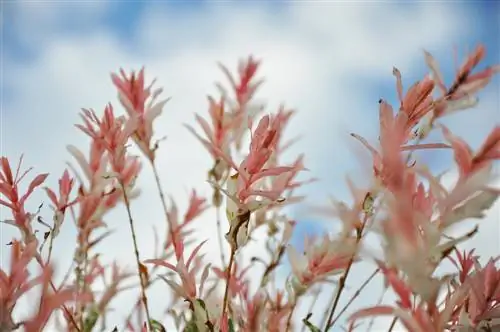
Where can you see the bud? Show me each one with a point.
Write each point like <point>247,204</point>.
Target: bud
<point>231,206</point>
<point>217,198</point>
<point>296,288</point>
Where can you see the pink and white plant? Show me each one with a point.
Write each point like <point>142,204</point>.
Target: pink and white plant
<point>405,206</point>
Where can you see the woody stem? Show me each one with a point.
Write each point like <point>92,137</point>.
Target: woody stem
<point>329,322</point>
<point>393,324</point>
<point>229,272</point>
<point>163,202</point>
<point>219,236</point>
<point>356,294</point>
<point>142,276</point>
<point>359,235</point>
<point>311,307</point>
<point>64,307</point>
<point>289,320</point>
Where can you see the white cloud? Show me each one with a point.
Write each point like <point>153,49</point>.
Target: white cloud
<point>35,21</point>
<point>317,58</point>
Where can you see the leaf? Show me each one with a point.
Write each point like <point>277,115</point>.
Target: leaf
<point>231,325</point>
<point>91,320</point>
<point>473,208</point>
<point>177,288</point>
<point>202,304</point>
<point>368,203</point>
<point>191,327</point>
<point>436,72</point>
<point>311,326</point>
<point>157,326</point>
<point>380,310</point>
<point>468,101</point>
<point>37,181</point>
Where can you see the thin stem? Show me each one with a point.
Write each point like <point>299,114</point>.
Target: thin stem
<point>393,324</point>
<point>289,320</point>
<point>138,302</point>
<point>355,295</point>
<point>342,280</point>
<point>379,302</point>
<point>66,310</point>
<point>51,244</point>
<point>85,286</point>
<point>340,288</point>
<point>313,302</point>
<point>219,236</point>
<point>78,307</point>
<point>161,193</point>
<point>137,258</point>
<point>229,272</point>
<point>163,203</point>
<point>162,198</point>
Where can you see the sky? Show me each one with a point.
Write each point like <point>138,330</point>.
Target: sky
<point>329,60</point>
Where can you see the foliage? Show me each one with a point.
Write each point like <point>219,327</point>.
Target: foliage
<point>405,205</point>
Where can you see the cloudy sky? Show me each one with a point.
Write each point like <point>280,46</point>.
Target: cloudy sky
<point>329,60</point>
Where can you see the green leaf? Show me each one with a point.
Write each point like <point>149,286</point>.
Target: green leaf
<point>191,327</point>
<point>202,304</point>
<point>231,325</point>
<point>311,326</point>
<point>90,320</point>
<point>157,326</point>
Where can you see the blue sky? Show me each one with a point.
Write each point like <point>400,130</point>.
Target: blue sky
<point>331,61</point>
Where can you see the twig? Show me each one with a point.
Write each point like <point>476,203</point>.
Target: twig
<point>229,272</point>
<point>163,201</point>
<point>137,258</point>
<point>342,279</point>
<point>372,320</point>
<point>51,245</point>
<point>336,299</point>
<point>355,295</point>
<point>219,236</point>
<point>66,310</point>
<point>313,302</point>
<point>289,320</point>
<point>393,323</point>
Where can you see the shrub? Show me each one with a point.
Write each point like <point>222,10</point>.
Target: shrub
<point>406,206</point>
